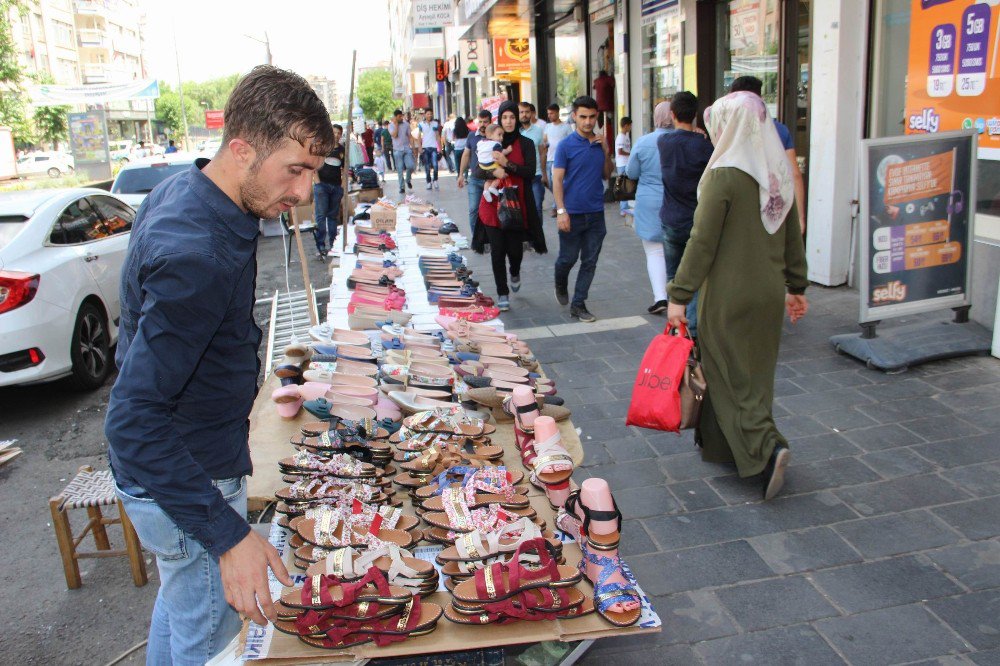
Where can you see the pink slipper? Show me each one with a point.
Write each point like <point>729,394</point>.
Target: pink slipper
<point>288,400</point>
<point>313,390</point>
<point>387,409</point>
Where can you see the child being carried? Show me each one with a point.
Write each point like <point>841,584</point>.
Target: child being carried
<point>488,169</point>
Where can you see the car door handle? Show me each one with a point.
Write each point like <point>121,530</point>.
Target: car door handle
<point>90,257</point>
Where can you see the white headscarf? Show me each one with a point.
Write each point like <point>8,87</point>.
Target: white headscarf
<point>745,138</point>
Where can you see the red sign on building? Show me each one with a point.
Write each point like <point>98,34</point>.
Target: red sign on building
<point>213,119</point>
<point>440,70</point>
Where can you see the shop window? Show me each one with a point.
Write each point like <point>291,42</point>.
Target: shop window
<point>662,64</point>
<point>753,32</point>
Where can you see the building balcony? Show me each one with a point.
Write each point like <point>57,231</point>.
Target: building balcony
<point>129,45</point>
<point>90,38</point>
<point>93,7</point>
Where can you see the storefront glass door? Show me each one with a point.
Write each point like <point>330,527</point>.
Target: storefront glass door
<point>662,64</point>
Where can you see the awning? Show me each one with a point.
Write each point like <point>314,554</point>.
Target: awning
<point>97,93</point>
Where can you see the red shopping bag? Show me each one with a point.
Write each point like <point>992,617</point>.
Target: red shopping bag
<point>656,398</point>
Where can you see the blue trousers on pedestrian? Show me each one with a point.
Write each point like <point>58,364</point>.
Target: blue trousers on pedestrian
<point>192,622</point>
<point>674,241</point>
<point>326,198</point>
<point>475,187</point>
<point>582,242</point>
<point>404,166</point>
<point>430,160</point>
<point>538,190</point>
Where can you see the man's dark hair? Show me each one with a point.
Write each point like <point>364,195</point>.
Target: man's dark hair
<point>684,106</point>
<point>269,105</point>
<point>142,143</point>
<point>397,112</point>
<point>584,102</point>
<point>747,83</point>
<point>553,107</point>
<point>526,105</point>
<point>624,121</point>
<point>338,127</point>
<point>486,113</point>
<point>171,142</point>
<point>603,72</point>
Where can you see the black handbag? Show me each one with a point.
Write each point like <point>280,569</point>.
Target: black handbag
<point>509,210</point>
<point>623,188</point>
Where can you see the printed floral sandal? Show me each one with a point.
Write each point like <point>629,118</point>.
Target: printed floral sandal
<point>482,487</point>
<point>336,529</point>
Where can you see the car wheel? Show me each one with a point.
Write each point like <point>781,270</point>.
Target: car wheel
<point>90,349</point>
<point>53,172</point>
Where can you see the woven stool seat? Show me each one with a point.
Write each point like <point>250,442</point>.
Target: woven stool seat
<point>89,489</point>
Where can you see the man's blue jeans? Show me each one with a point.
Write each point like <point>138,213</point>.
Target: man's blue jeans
<point>430,160</point>
<point>622,205</point>
<point>475,187</point>
<point>404,166</point>
<point>583,241</point>
<point>674,241</point>
<point>191,620</point>
<point>326,198</point>
<point>538,190</point>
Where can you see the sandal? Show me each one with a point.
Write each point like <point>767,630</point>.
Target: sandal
<point>341,465</point>
<point>379,517</point>
<point>459,516</point>
<point>399,566</point>
<point>416,618</point>
<point>320,592</point>
<point>608,594</point>
<point>576,510</point>
<point>547,454</point>
<point>336,529</point>
<point>482,486</point>
<point>502,581</point>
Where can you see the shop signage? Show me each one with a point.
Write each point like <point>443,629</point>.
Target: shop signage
<point>433,13</point>
<point>214,119</point>
<point>511,55</point>
<point>474,50</point>
<point>915,224</point>
<point>652,10</point>
<point>953,78</point>
<point>87,139</point>
<point>744,26</point>
<point>97,93</point>
<point>440,69</point>
<point>492,104</point>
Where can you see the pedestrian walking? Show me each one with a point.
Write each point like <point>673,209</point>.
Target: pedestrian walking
<point>468,165</point>
<point>430,143</point>
<point>644,166</point>
<point>448,140</point>
<point>171,148</point>
<point>507,244</point>
<point>684,154</point>
<point>460,137</point>
<point>555,130</point>
<point>533,130</point>
<point>177,421</point>
<point>368,139</point>
<point>385,141</point>
<point>747,257</point>
<point>328,190</point>
<point>380,164</point>
<point>582,163</point>
<point>402,152</point>
<point>623,147</point>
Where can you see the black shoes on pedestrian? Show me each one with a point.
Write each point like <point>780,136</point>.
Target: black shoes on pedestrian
<point>582,314</point>
<point>658,307</point>
<point>774,472</point>
<point>562,295</point>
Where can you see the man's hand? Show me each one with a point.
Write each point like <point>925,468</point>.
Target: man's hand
<point>676,314</point>
<point>562,222</point>
<point>461,181</point>
<point>796,306</point>
<point>545,179</point>
<point>244,577</point>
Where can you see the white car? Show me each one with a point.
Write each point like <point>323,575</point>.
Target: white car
<point>137,179</point>
<point>61,257</point>
<point>51,163</point>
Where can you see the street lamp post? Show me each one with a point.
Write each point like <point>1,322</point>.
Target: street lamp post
<point>180,88</point>
<point>267,45</point>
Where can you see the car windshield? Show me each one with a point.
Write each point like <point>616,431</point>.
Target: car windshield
<point>10,227</point>
<point>142,181</point>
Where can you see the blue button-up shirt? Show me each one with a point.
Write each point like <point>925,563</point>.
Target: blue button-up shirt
<point>583,184</point>
<point>187,355</point>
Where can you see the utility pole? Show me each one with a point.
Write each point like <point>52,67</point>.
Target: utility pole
<point>180,88</point>
<point>267,45</point>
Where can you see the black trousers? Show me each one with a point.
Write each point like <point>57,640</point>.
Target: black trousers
<point>505,246</point>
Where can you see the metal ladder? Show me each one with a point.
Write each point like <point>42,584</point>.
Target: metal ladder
<point>289,315</point>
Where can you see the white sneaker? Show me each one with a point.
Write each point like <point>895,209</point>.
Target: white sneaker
<point>429,185</point>
<point>436,185</point>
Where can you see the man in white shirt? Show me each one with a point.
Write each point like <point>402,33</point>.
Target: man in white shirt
<point>402,155</point>
<point>553,132</point>
<point>531,129</point>
<point>430,144</point>
<point>623,148</point>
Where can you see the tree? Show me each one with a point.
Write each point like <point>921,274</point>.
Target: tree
<point>198,97</point>
<point>51,124</point>
<point>375,94</point>
<point>12,109</point>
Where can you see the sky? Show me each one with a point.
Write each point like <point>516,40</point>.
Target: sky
<point>307,36</point>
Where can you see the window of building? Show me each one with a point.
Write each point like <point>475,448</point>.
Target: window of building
<point>662,64</point>
<point>63,33</point>
<point>753,31</point>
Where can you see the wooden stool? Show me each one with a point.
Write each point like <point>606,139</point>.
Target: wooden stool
<point>91,490</point>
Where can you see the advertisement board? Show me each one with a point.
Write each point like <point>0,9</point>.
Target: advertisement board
<point>214,119</point>
<point>953,79</point>
<point>916,209</point>
<point>511,55</point>
<point>433,13</point>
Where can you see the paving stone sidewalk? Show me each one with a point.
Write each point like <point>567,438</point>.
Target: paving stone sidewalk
<point>884,546</point>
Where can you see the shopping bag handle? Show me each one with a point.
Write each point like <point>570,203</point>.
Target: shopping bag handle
<point>682,330</point>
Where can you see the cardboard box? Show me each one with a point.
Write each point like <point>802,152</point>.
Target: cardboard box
<point>383,219</point>
<point>368,195</point>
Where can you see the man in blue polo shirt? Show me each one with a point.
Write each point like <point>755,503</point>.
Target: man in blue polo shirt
<point>581,164</point>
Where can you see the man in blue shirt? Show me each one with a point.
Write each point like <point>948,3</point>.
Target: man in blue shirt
<point>684,154</point>
<point>177,422</point>
<point>581,165</point>
<point>756,86</point>
<point>171,148</point>
<point>468,166</point>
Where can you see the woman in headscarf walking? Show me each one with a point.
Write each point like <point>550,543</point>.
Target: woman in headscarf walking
<point>644,166</point>
<point>747,258</point>
<point>507,246</point>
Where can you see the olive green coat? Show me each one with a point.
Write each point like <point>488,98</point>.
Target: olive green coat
<point>741,274</point>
